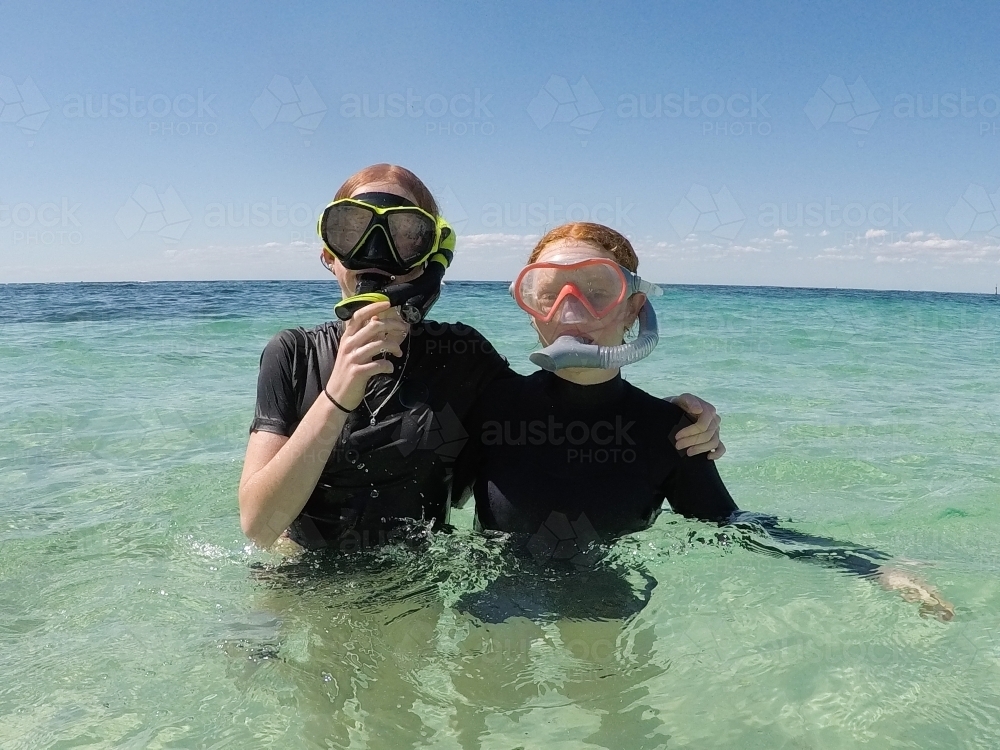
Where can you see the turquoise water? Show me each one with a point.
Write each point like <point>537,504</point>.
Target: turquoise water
<point>135,615</point>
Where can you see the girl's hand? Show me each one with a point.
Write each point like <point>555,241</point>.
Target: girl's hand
<point>703,435</point>
<point>915,590</point>
<point>372,331</point>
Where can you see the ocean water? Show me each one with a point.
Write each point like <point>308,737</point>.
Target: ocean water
<point>133,613</point>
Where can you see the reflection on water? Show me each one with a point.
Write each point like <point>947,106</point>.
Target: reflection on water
<point>452,636</point>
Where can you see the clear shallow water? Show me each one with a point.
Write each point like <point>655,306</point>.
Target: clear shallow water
<point>134,614</point>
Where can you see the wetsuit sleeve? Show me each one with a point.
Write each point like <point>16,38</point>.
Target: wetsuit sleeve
<point>694,488</point>
<point>490,366</point>
<point>277,401</point>
<point>490,363</point>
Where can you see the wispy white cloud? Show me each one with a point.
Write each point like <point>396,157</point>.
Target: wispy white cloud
<point>929,247</point>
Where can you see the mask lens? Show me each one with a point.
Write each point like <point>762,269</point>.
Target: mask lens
<point>344,225</point>
<point>600,284</point>
<point>412,234</point>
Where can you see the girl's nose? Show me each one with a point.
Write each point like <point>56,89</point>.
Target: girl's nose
<point>572,311</point>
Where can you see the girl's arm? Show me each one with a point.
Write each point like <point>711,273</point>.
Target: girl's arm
<point>280,473</point>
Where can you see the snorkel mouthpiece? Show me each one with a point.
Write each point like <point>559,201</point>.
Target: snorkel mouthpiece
<point>567,351</point>
<point>413,298</point>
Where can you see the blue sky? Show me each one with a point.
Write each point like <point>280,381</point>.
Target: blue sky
<point>833,145</point>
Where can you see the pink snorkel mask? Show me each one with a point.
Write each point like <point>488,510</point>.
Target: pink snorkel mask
<point>571,290</point>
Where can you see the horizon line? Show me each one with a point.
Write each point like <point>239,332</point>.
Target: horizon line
<point>996,291</point>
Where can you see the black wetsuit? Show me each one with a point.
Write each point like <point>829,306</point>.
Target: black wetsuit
<point>564,466</point>
<point>399,468</point>
<point>600,456</point>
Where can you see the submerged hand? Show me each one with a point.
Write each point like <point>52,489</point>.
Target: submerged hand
<point>915,590</point>
<point>703,435</point>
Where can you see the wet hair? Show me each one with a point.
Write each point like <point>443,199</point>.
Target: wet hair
<point>603,237</point>
<point>395,174</point>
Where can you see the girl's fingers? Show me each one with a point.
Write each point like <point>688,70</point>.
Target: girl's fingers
<point>374,368</point>
<point>364,354</point>
<point>362,316</point>
<point>376,330</point>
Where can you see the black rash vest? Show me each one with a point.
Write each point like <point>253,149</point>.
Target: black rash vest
<point>401,467</point>
<point>567,465</point>
<point>598,460</point>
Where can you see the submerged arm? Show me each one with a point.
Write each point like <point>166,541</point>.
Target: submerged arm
<point>865,562</point>
<point>696,490</point>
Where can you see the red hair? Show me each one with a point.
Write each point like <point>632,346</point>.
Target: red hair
<point>605,238</point>
<point>395,174</point>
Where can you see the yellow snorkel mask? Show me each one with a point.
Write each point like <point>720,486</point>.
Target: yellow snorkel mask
<point>387,233</point>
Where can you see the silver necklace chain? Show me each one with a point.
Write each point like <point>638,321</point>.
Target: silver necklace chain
<point>399,381</point>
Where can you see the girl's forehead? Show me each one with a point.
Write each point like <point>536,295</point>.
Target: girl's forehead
<point>576,248</point>
<point>385,187</point>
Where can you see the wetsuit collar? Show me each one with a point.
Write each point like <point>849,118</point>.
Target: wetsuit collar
<point>568,392</point>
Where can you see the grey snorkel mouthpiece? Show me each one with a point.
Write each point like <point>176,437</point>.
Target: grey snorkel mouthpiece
<point>567,351</point>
